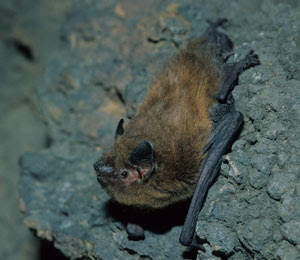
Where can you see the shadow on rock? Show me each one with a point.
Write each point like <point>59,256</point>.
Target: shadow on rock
<point>158,221</point>
<point>48,251</point>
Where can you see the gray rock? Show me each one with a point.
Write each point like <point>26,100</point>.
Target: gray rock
<point>220,238</point>
<point>286,251</point>
<point>257,179</point>
<point>261,163</point>
<point>282,158</point>
<point>100,73</point>
<point>289,208</point>
<point>291,231</point>
<point>256,234</point>
<point>280,183</point>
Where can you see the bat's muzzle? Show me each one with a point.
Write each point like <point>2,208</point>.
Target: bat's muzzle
<point>103,170</point>
<point>97,166</point>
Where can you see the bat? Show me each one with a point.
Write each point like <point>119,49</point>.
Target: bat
<point>172,149</point>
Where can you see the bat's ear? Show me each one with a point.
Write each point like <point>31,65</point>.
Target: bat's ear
<point>143,153</point>
<point>120,129</point>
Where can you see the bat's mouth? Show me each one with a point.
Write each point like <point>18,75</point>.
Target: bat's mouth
<point>104,180</point>
<point>101,181</point>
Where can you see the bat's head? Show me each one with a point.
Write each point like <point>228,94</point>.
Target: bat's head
<point>125,168</point>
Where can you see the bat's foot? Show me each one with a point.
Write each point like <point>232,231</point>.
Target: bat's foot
<point>233,70</point>
<point>135,232</point>
<point>251,60</point>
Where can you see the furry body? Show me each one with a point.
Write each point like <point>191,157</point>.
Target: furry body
<point>175,118</point>
<point>172,149</point>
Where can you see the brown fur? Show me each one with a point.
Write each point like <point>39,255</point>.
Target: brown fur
<point>175,117</point>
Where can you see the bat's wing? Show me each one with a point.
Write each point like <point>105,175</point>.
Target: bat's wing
<point>218,145</point>
<point>228,120</point>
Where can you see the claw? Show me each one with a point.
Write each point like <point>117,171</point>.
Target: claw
<point>251,60</point>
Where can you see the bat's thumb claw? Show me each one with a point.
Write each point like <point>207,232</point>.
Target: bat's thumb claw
<point>251,60</point>
<point>135,232</point>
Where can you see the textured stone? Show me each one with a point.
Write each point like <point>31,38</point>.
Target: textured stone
<point>257,179</point>
<point>289,207</point>
<point>220,238</point>
<point>256,234</point>
<point>108,54</point>
<point>280,183</point>
<point>286,251</point>
<point>291,231</point>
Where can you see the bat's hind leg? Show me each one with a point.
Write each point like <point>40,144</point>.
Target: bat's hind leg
<point>217,146</point>
<point>223,47</point>
<point>232,72</point>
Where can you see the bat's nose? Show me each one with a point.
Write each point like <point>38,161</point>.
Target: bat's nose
<point>102,169</point>
<point>97,166</point>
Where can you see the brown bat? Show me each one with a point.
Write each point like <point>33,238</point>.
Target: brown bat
<point>172,148</point>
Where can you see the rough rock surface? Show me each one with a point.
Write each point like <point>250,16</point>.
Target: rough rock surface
<point>24,49</point>
<point>108,54</point>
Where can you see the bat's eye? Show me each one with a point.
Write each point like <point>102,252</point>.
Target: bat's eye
<point>124,174</point>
